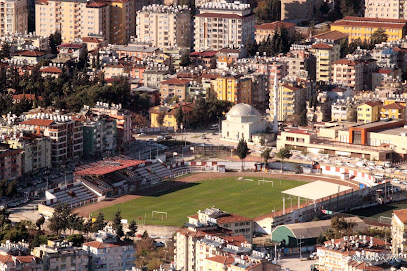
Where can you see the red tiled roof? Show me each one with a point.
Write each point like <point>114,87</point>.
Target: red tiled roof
<point>346,62</point>
<point>229,51</point>
<point>210,76</point>
<point>219,15</point>
<point>401,214</point>
<point>96,4</point>
<point>274,25</point>
<point>331,35</point>
<point>394,106</point>
<point>373,103</point>
<point>51,69</point>
<point>384,71</point>
<point>370,22</point>
<point>291,87</point>
<point>120,65</point>
<point>28,97</point>
<point>90,39</point>
<point>38,122</point>
<point>222,259</point>
<point>6,258</point>
<point>235,240</point>
<point>230,218</point>
<point>71,45</point>
<point>25,259</point>
<point>204,54</point>
<point>105,167</point>
<point>321,46</point>
<point>97,244</point>
<point>175,81</point>
<point>30,53</point>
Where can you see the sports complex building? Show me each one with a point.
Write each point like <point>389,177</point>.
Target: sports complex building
<point>384,140</point>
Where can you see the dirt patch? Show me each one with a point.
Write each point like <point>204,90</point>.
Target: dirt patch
<point>198,177</point>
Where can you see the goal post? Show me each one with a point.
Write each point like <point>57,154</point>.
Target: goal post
<point>265,181</point>
<point>158,212</point>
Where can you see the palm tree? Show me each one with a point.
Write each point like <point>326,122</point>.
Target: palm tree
<point>282,154</point>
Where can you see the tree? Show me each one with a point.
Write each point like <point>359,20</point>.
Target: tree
<point>266,154</point>
<point>5,50</point>
<point>88,227</point>
<point>76,239</point>
<point>326,110</point>
<point>55,39</point>
<point>179,116</point>
<point>352,114</point>
<point>160,118</point>
<point>185,59</point>
<point>99,223</point>
<point>282,154</point>
<point>268,10</point>
<point>59,219</point>
<point>132,228</point>
<point>304,118</point>
<point>242,150</point>
<point>378,36</point>
<point>117,224</point>
<point>40,221</point>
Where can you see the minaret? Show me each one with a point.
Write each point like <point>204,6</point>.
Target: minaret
<point>275,106</point>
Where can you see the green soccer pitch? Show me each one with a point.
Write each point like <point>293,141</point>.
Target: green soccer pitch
<point>245,198</point>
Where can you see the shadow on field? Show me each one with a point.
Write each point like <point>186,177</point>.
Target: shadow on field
<point>374,210</point>
<point>163,188</point>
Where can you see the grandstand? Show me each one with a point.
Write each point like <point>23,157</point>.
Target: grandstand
<point>75,194</point>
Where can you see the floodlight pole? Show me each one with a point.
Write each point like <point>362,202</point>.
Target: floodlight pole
<point>283,205</point>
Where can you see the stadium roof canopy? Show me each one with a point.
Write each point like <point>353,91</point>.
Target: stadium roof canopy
<point>108,166</point>
<point>316,190</point>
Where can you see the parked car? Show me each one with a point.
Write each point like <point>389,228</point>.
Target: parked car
<point>214,127</point>
<point>396,181</point>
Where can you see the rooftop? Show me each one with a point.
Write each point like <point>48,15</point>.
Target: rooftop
<point>108,166</point>
<point>331,35</point>
<point>316,190</point>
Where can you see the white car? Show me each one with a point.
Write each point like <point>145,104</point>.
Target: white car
<point>404,183</point>
<point>405,171</point>
<point>372,164</point>
<point>396,181</point>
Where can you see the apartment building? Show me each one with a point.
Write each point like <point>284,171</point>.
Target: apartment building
<point>169,112</point>
<point>107,253</point>
<point>20,263</point>
<point>65,133</point>
<point>74,19</point>
<point>11,165</point>
<point>363,28</point>
<point>100,137</point>
<point>384,9</point>
<point>393,111</point>
<point>369,111</point>
<point>341,110</point>
<point>174,87</point>
<point>204,237</point>
<point>382,77</point>
<point>223,25</point>
<point>233,88</point>
<point>299,9</point>
<point>164,26</point>
<point>122,20</point>
<point>36,151</point>
<point>120,115</point>
<point>13,17</point>
<point>348,73</point>
<point>57,255</point>
<point>301,62</point>
<point>291,98</point>
<point>325,54</point>
<point>267,30</point>
<point>154,75</point>
<point>399,232</point>
<point>353,253</point>
<point>239,225</point>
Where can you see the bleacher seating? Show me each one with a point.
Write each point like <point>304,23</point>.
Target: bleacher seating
<point>74,195</point>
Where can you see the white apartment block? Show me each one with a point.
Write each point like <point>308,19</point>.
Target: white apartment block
<point>164,26</point>
<point>109,254</point>
<point>13,17</point>
<point>223,25</point>
<point>66,135</point>
<point>393,9</point>
<point>74,19</point>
